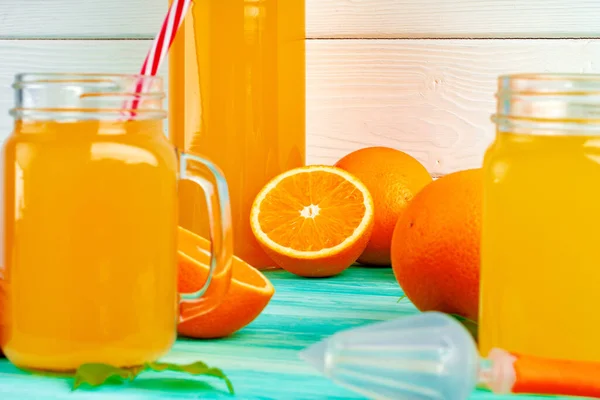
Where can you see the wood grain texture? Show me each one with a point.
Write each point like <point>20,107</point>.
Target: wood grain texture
<point>262,360</point>
<point>325,18</point>
<point>452,18</point>
<point>81,19</point>
<point>430,98</point>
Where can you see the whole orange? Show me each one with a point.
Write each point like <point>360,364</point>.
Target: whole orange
<point>435,248</point>
<point>393,178</point>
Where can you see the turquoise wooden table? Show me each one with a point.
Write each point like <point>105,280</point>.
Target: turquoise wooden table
<point>261,360</point>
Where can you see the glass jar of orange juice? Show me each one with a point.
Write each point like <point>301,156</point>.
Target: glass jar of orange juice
<point>89,271</point>
<point>237,97</point>
<point>540,267</point>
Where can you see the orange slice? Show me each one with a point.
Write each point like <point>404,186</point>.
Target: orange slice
<point>313,221</point>
<point>249,292</point>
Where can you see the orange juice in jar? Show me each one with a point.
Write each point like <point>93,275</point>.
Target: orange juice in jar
<point>540,265</point>
<point>89,271</point>
<point>237,97</point>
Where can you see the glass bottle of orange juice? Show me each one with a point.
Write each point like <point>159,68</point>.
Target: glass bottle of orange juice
<point>237,97</point>
<point>540,268</point>
<point>89,268</point>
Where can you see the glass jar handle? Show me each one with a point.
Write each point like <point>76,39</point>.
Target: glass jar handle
<point>212,182</point>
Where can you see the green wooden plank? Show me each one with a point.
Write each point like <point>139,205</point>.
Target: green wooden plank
<point>262,359</point>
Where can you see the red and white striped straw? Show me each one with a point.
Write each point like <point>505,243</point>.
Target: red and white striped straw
<point>161,45</point>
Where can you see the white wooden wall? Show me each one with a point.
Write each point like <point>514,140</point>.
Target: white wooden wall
<point>418,75</point>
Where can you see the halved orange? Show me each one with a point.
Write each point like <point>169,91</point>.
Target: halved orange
<point>249,291</point>
<point>313,221</point>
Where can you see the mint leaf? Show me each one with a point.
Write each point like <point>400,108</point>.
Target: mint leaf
<point>197,368</point>
<point>98,374</point>
<point>50,374</point>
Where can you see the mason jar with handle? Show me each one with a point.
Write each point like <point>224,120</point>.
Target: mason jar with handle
<point>89,272</point>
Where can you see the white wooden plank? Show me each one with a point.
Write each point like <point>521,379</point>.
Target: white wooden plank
<point>325,18</point>
<point>81,18</point>
<point>453,18</point>
<point>431,98</point>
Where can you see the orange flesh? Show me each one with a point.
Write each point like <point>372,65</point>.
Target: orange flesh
<point>248,294</point>
<point>340,204</point>
<point>197,249</point>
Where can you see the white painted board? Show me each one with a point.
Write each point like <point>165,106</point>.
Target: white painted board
<point>453,18</point>
<point>325,18</point>
<point>81,18</point>
<point>431,98</point>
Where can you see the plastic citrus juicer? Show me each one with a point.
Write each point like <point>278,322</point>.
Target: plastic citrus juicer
<point>432,356</point>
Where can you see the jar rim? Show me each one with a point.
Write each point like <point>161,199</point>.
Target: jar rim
<point>153,84</point>
<point>568,84</point>
<point>35,77</point>
<point>548,103</point>
<point>551,76</point>
<point>88,95</point>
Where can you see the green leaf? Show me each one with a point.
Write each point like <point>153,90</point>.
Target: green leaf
<point>48,373</point>
<point>98,374</point>
<point>471,325</point>
<point>197,368</point>
<point>401,298</point>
